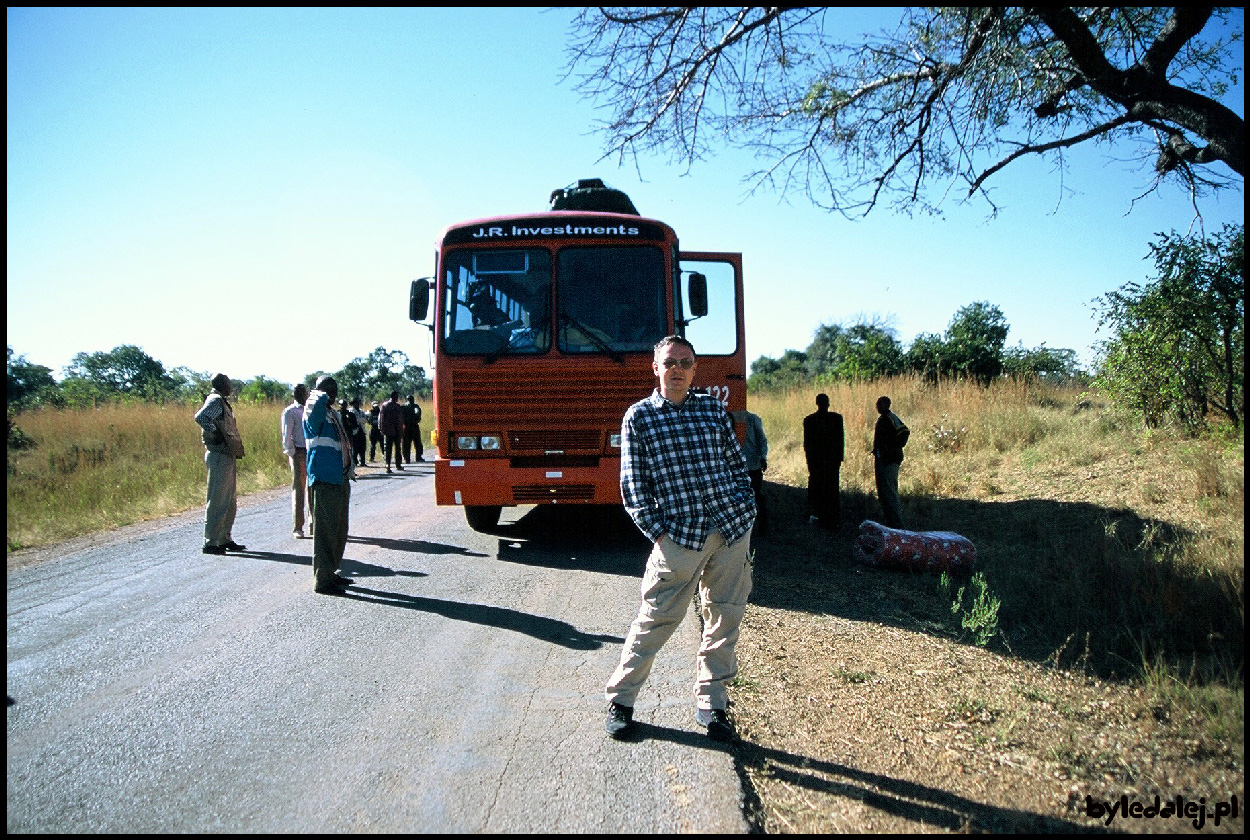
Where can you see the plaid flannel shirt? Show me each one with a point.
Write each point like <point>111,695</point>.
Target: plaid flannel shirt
<point>682,471</point>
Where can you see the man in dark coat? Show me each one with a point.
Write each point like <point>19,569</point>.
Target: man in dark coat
<point>824,447</point>
<point>412,431</point>
<point>391,419</point>
<point>888,439</point>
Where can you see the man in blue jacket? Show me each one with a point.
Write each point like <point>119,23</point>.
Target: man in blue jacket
<point>330,468</point>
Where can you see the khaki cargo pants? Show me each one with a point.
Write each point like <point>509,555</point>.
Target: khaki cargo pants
<point>722,574</point>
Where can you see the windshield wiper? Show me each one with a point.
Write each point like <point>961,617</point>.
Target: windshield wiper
<point>598,342</point>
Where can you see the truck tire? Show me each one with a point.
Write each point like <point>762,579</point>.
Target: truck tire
<point>482,517</point>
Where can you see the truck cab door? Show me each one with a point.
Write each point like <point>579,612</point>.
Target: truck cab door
<point>719,336</point>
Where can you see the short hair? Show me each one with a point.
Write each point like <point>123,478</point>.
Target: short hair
<point>324,380</point>
<point>394,395</point>
<point>673,339</point>
<point>300,391</point>
<point>221,382</point>
<point>883,404</point>
<point>822,400</point>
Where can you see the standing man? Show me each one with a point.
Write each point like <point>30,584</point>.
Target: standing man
<point>297,453</point>
<point>888,439</point>
<point>685,484</point>
<point>330,468</point>
<point>358,434</point>
<point>824,446</point>
<point>412,430</point>
<point>375,434</point>
<point>222,448</point>
<point>755,451</point>
<point>391,418</point>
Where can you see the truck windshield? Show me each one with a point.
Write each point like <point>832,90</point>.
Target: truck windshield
<point>497,302</point>
<point>610,299</point>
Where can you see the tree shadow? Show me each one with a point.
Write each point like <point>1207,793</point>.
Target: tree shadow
<point>909,800</point>
<point>540,627</point>
<point>1080,584</point>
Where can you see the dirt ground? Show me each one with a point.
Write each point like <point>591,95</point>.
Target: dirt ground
<point>860,712</point>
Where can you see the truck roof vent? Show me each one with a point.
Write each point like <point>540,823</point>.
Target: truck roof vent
<point>593,195</point>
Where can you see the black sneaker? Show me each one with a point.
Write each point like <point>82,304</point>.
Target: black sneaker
<point>620,721</point>
<point>717,724</point>
<point>233,546</point>
<point>332,588</point>
<point>343,581</point>
<point>214,549</point>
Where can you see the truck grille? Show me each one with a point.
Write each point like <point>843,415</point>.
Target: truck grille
<point>557,440</point>
<point>536,493</point>
<point>559,409</point>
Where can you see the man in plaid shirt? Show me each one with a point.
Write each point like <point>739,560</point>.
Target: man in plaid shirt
<point>684,481</point>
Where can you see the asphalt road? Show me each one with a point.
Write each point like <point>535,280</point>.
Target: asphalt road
<point>458,688</point>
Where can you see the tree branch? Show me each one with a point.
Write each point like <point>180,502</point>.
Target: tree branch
<point>1046,147</point>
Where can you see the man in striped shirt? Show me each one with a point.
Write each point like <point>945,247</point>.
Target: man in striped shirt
<point>685,484</point>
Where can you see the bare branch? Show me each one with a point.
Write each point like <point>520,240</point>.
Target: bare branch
<point>1046,147</point>
<point>949,98</point>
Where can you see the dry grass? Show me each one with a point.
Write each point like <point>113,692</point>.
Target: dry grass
<point>100,468</point>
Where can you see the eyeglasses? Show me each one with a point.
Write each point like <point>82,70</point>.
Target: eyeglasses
<point>684,364</point>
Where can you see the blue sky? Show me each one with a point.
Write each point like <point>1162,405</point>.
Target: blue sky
<point>252,190</point>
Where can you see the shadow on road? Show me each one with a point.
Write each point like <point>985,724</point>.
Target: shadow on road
<point>540,627</point>
<point>415,546</point>
<point>353,567</point>
<point>418,468</point>
<point>593,538</point>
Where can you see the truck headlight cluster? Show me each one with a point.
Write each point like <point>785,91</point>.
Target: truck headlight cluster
<point>484,442</point>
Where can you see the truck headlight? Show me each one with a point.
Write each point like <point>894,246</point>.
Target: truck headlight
<point>466,442</point>
<point>492,442</point>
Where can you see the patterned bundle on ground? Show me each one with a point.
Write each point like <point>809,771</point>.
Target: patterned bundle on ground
<point>914,551</point>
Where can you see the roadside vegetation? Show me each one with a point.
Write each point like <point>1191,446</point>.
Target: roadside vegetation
<point>76,471</point>
<point>1097,651</point>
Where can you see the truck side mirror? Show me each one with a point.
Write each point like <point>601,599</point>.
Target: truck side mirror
<point>419,299</point>
<point>697,294</point>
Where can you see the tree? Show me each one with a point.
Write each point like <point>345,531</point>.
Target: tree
<point>787,372</point>
<point>944,102</point>
<point>28,384</point>
<point>263,389</point>
<point>123,372</point>
<point>974,342</point>
<point>866,350</point>
<point>1178,343</point>
<point>1046,363</point>
<point>192,386</point>
<point>822,353</point>
<point>925,356</point>
<point>379,373</point>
